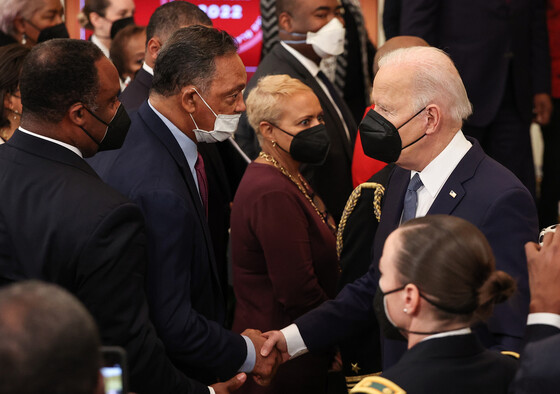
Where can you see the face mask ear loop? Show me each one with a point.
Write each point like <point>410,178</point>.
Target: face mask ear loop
<point>194,121</point>
<point>204,101</point>
<point>415,115</point>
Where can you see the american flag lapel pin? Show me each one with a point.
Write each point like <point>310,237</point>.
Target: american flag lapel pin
<point>453,194</point>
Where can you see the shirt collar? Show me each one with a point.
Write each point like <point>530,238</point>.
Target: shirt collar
<point>185,143</point>
<point>309,64</point>
<point>67,146</point>
<point>435,174</point>
<point>148,69</point>
<point>103,48</point>
<point>460,331</point>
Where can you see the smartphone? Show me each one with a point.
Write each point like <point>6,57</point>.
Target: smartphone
<point>114,370</point>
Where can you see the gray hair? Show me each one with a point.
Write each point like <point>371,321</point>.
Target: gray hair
<point>10,9</point>
<point>435,79</point>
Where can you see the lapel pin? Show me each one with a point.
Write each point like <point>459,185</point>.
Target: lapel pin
<point>453,194</point>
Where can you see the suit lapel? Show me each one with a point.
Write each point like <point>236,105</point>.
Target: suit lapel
<point>453,191</point>
<point>156,126</point>
<point>310,81</point>
<point>144,78</point>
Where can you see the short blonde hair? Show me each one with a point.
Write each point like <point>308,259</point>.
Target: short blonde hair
<point>265,101</point>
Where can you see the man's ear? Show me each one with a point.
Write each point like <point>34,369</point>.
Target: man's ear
<point>152,48</point>
<point>285,22</point>
<point>433,118</point>
<point>188,94</point>
<point>76,113</point>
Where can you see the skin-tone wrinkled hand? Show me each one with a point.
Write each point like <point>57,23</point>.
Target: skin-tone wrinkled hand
<point>231,385</point>
<point>542,108</point>
<point>275,340</point>
<point>543,263</point>
<point>265,366</point>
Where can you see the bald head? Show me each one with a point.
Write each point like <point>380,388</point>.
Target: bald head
<point>394,43</point>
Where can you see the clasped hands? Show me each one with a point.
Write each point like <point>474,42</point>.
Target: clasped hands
<point>271,351</point>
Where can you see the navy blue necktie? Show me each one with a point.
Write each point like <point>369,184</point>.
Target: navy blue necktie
<point>411,198</point>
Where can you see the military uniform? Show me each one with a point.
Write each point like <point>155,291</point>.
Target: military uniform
<point>457,364</point>
<point>361,355</point>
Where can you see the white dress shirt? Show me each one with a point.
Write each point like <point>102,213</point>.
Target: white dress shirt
<point>437,172</point>
<point>549,319</point>
<point>148,69</point>
<point>103,48</point>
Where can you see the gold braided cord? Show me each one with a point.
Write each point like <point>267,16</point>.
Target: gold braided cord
<point>299,185</point>
<point>379,190</point>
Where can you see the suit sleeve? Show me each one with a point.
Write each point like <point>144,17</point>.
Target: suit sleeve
<point>509,223</point>
<point>538,368</point>
<point>281,227</point>
<point>175,273</point>
<point>110,282</point>
<point>349,312</point>
<point>540,49</point>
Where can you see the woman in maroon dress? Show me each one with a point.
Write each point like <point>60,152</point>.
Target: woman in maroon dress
<point>283,240</point>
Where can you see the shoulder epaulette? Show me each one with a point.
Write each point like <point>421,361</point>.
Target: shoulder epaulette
<point>379,190</point>
<point>511,354</point>
<point>377,385</point>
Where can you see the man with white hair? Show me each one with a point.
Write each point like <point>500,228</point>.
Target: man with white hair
<point>420,104</point>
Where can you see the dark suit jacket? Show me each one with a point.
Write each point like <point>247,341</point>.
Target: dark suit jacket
<point>60,223</point>
<point>220,178</point>
<point>137,91</point>
<point>507,39</point>
<point>488,196</point>
<point>332,180</point>
<point>456,364</point>
<point>539,368</point>
<point>184,292</point>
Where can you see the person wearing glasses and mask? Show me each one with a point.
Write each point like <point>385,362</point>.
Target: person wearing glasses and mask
<point>438,278</point>
<point>283,238</point>
<point>30,22</point>
<point>106,18</point>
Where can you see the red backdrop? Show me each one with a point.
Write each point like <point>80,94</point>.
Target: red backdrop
<point>240,18</point>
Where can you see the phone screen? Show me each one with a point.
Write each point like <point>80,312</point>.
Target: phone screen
<point>113,378</point>
<point>114,370</point>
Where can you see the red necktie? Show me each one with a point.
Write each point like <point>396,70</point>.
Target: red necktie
<point>202,182</point>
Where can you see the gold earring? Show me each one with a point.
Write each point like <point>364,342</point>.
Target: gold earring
<point>273,143</point>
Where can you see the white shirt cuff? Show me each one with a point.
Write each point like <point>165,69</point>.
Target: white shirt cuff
<point>550,319</point>
<point>251,358</point>
<point>211,390</point>
<point>296,346</point>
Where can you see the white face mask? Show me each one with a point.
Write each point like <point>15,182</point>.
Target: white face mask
<point>224,126</point>
<point>327,41</point>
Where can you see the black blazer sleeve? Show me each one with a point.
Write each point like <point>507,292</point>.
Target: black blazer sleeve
<point>110,282</point>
